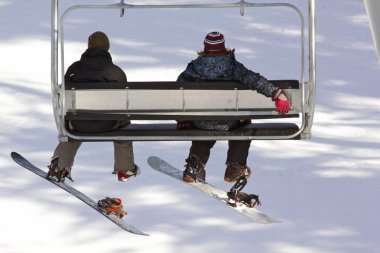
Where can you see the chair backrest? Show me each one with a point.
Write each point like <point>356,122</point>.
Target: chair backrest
<point>174,100</point>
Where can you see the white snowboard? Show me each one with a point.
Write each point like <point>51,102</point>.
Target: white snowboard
<point>212,191</point>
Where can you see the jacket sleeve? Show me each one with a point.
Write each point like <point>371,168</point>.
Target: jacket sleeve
<point>71,70</point>
<point>114,73</point>
<point>253,80</point>
<point>122,77</point>
<point>181,77</point>
<point>189,74</point>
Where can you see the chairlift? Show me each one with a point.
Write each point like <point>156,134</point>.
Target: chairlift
<point>171,101</point>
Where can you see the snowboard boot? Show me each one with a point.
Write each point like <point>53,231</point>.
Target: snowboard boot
<point>57,174</point>
<point>123,176</point>
<point>112,206</point>
<point>235,171</point>
<point>194,169</point>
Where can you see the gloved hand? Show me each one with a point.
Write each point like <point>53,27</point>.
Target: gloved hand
<point>282,104</point>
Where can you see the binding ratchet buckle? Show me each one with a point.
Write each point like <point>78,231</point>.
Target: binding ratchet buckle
<point>235,195</point>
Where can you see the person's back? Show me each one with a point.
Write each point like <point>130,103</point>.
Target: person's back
<point>95,65</point>
<point>224,66</point>
<point>209,67</point>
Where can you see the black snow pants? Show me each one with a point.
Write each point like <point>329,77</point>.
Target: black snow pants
<point>237,150</point>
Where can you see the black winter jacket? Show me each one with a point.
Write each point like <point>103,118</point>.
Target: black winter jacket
<point>224,67</point>
<point>95,65</point>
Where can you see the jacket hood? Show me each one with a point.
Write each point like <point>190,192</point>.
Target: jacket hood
<point>96,58</point>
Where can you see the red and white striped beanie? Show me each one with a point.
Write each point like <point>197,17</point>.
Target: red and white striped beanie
<point>214,43</point>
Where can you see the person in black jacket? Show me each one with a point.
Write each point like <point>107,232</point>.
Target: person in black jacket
<point>216,62</point>
<point>95,65</point>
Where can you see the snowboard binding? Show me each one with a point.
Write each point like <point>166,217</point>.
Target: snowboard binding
<point>56,173</point>
<point>112,206</point>
<point>235,195</point>
<point>194,169</point>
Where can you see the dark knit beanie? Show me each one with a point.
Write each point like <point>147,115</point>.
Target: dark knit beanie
<point>214,43</point>
<point>99,40</point>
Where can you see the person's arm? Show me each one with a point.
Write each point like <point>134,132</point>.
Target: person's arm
<point>185,76</point>
<point>259,83</point>
<point>70,71</point>
<point>189,74</point>
<point>253,80</point>
<point>115,73</point>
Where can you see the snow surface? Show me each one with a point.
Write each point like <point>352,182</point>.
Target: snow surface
<point>324,190</point>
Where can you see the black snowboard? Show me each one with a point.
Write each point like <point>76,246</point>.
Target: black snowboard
<point>118,221</point>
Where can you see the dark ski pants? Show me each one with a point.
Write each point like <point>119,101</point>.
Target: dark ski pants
<point>123,150</point>
<point>123,155</point>
<point>237,150</point>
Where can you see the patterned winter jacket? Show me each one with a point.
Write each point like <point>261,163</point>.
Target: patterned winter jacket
<point>224,67</point>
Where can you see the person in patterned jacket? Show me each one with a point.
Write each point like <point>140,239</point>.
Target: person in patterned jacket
<point>216,62</point>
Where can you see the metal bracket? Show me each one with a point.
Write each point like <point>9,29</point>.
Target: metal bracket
<point>63,138</point>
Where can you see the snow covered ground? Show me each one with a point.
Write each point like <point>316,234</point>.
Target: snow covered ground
<point>324,190</point>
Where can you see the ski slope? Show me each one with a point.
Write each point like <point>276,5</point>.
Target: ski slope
<point>324,190</point>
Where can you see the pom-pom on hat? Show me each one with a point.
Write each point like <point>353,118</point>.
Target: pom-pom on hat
<point>214,43</point>
<point>99,40</point>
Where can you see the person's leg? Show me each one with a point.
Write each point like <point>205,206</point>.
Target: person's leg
<point>66,152</point>
<point>237,161</point>
<point>238,151</point>
<point>124,165</point>
<point>123,155</point>
<point>195,163</point>
<point>202,149</point>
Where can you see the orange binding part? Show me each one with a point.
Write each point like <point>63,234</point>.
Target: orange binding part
<point>112,206</point>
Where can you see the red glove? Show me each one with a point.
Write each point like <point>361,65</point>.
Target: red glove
<point>282,104</point>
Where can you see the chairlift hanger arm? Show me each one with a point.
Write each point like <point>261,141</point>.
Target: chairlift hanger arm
<point>242,4</point>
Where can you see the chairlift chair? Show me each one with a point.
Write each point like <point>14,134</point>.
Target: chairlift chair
<point>180,100</point>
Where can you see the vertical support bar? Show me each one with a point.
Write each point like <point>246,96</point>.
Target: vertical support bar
<point>54,64</point>
<point>306,134</point>
<point>54,41</point>
<point>372,8</point>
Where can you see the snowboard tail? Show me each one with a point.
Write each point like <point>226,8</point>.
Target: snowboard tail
<point>251,213</point>
<point>23,162</point>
